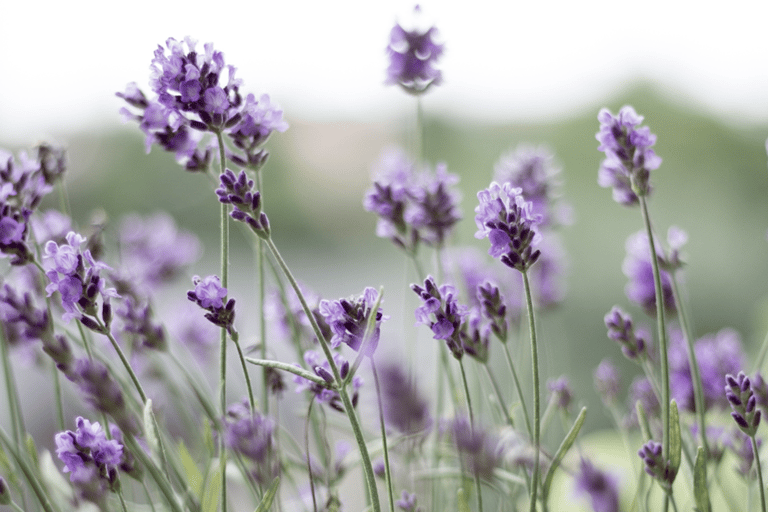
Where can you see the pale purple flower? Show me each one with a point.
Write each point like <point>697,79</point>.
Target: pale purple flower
<point>560,392</point>
<point>638,268</point>
<point>629,157</point>
<point>479,449</point>
<point>475,335</point>
<point>607,382</point>
<point>507,220</point>
<point>413,55</point>
<point>634,343</point>
<point>641,390</point>
<point>138,319</point>
<point>51,225</point>
<point>601,487</point>
<point>741,446</point>
<point>210,295</point>
<point>102,392</point>
<point>251,434</point>
<point>348,320</point>
<point>408,502</point>
<point>405,407</point>
<point>322,369</point>
<point>493,307</point>
<point>287,314</point>
<point>442,312</point>
<point>195,332</point>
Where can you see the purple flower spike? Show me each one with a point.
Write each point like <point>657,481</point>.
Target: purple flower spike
<point>240,193</point>
<point>348,319</point>
<point>507,220</point>
<point>321,367</point>
<point>621,329</point>
<point>655,465</point>
<point>442,313</point>
<point>405,407</point>
<point>408,502</point>
<point>493,307</point>
<point>601,487</point>
<point>629,157</point>
<point>251,434</point>
<point>637,266</point>
<point>412,58</point>
<point>738,391</point>
<point>210,295</point>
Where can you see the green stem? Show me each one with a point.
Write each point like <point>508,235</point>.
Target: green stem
<point>57,392</point>
<point>497,390</point>
<point>17,426</point>
<point>759,473</point>
<point>472,426</point>
<point>698,388</point>
<point>536,397</point>
<point>348,408</point>
<point>29,472</point>
<point>236,339</point>
<point>662,334</point>
<point>761,356</point>
<point>157,475</point>
<point>224,259</point>
<point>125,362</point>
<point>387,469</point>
<point>520,395</point>
<point>262,297</point>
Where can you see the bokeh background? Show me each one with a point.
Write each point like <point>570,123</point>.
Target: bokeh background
<point>533,73</point>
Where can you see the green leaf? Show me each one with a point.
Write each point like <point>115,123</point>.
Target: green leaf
<point>675,439</point>
<point>700,491</point>
<point>463,505</point>
<point>269,496</point>
<point>301,372</point>
<point>560,454</point>
<point>212,492</point>
<point>32,451</point>
<point>150,430</point>
<point>194,476</point>
<point>642,419</point>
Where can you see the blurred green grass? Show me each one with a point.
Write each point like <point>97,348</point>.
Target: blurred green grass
<point>713,183</point>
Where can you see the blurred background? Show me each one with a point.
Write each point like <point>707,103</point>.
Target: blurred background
<point>532,72</point>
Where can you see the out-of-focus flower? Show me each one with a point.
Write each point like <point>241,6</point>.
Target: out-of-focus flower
<point>634,343</point>
<point>479,449</point>
<point>601,487</point>
<point>561,392</point>
<point>413,55</point>
<point>405,408</point>
<point>607,382</point>
<point>321,367</point>
<point>638,268</point>
<point>251,434</point>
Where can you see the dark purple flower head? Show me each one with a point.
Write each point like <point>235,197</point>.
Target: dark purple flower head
<point>493,307</point>
<point>321,367</point>
<point>76,276</point>
<point>251,435</point>
<point>655,465</point>
<point>413,206</point>
<point>90,458</point>
<point>348,320</point>
<point>629,157</point>
<point>738,391</point>
<point>413,55</point>
<point>475,335</point>
<point>405,408</point>
<point>717,355</point>
<point>240,192</point>
<point>479,449</point>
<point>259,119</point>
<point>634,344</point>
<point>532,170</point>
<point>607,382</point>
<point>137,319</point>
<point>102,392</point>
<point>507,220</point>
<point>638,268</point>
<point>560,392</point>
<point>601,487</point>
<point>153,251</point>
<point>441,311</point>
<point>210,295</point>
<point>32,323</point>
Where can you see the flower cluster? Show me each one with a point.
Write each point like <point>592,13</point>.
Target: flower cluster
<point>76,276</point>
<point>413,206</point>
<point>655,465</point>
<point>210,295</point>
<point>239,192</point>
<point>322,368</point>
<point>738,391</point>
<point>405,408</point>
<point>629,158</point>
<point>442,313</point>
<point>348,320</point>
<point>90,458</point>
<point>621,329</point>
<point>507,220</point>
<point>251,434</point>
<point>413,55</point>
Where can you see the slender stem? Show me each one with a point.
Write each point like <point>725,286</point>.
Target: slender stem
<point>236,340</point>
<point>497,390</point>
<point>472,426</point>
<point>157,475</point>
<point>57,392</point>
<point>10,387</point>
<point>662,331</point>
<point>388,472</point>
<point>122,500</point>
<point>520,395</point>
<point>262,295</point>
<point>348,408</point>
<point>536,397</point>
<point>759,473</point>
<point>309,461</point>
<point>761,356</point>
<point>125,362</point>
<point>29,472</point>
<point>224,257</point>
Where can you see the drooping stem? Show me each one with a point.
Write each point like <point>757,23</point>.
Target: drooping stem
<point>536,397</point>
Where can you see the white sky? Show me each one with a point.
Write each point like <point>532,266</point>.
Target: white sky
<point>62,61</point>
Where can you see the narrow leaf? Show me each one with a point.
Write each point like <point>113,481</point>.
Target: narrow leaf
<point>700,491</point>
<point>296,370</point>
<point>194,476</point>
<point>564,447</point>
<point>32,451</point>
<point>675,439</point>
<point>463,505</point>
<point>150,430</point>
<point>269,496</point>
<point>212,491</point>
<point>642,419</point>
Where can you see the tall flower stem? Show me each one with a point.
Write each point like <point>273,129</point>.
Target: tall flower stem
<point>236,340</point>
<point>472,426</point>
<point>342,390</point>
<point>262,294</point>
<point>698,388</point>
<point>224,238</point>
<point>662,334</point>
<point>502,403</point>
<point>536,397</point>
<point>17,422</point>
<point>759,473</point>
<point>125,362</point>
<point>388,472</point>
<point>520,395</point>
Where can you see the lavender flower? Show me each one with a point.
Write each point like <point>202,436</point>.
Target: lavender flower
<point>621,329</point>
<point>629,157</point>
<point>239,192</point>
<point>102,392</point>
<point>408,502</point>
<point>51,225</point>
<point>251,434</point>
<point>479,449</point>
<point>638,268</point>
<point>442,313</point>
<point>405,408</point>
<point>210,295</point>
<point>76,276</point>
<point>743,401</point>
<point>413,206</point>
<point>532,170</point>
<point>413,55</point>
<point>289,317</point>
<point>348,320</point>
<point>560,392</point>
<point>607,382</point>
<point>741,446</point>
<point>321,367</point>
<point>601,487</point>
<point>641,390</point>
<point>138,319</point>
<point>90,458</point>
<point>195,332</point>
<point>493,308</point>
<point>655,465</point>
<point>32,323</point>
<point>475,335</point>
<point>506,219</point>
